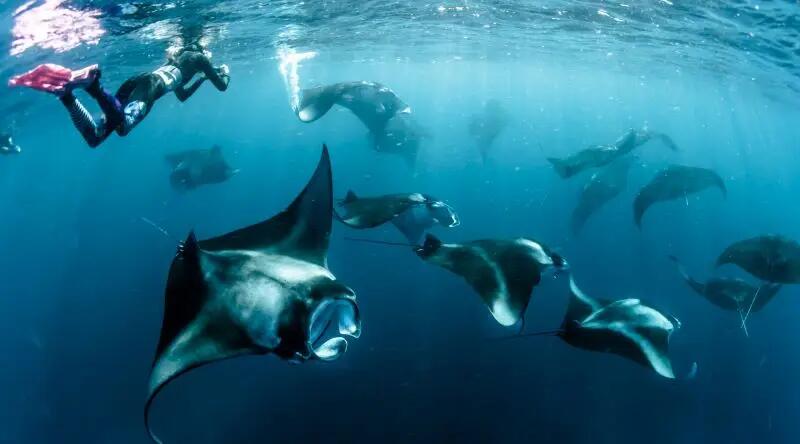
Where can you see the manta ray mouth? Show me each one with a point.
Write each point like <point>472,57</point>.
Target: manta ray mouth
<point>445,214</point>
<point>330,320</point>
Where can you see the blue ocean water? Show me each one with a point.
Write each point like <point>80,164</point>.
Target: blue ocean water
<point>84,267</point>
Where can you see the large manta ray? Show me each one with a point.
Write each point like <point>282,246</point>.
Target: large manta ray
<point>388,119</point>
<point>624,327</point>
<point>412,214</point>
<point>675,182</point>
<point>771,258</point>
<point>257,290</point>
<point>599,155</point>
<point>731,294</point>
<point>193,168</point>
<point>486,126</point>
<point>603,186</point>
<point>502,272</point>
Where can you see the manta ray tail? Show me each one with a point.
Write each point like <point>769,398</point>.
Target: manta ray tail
<point>528,335</point>
<point>379,242</point>
<point>560,166</point>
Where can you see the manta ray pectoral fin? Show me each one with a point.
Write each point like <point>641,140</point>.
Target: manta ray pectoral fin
<point>580,215</point>
<point>198,344</point>
<point>314,103</point>
<point>505,281</point>
<point>188,339</point>
<point>580,305</point>
<point>406,224</point>
<point>644,331</point>
<point>185,294</point>
<point>696,286</point>
<point>727,256</point>
<point>560,166</point>
<point>624,327</point>
<point>301,231</point>
<point>692,373</point>
<point>666,140</point>
<point>640,205</point>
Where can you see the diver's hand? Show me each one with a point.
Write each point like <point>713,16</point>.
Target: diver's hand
<point>224,70</point>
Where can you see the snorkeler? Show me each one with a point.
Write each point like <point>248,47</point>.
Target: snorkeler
<point>134,99</point>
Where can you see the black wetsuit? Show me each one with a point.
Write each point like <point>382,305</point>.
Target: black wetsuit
<point>135,98</point>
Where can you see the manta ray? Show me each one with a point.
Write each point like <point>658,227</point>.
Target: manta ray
<point>731,294</point>
<point>675,182</point>
<point>487,125</point>
<point>502,272</point>
<point>601,188</point>
<point>389,120</point>
<point>260,289</point>
<point>771,258</point>
<point>624,327</point>
<point>193,168</point>
<point>599,155</point>
<point>412,213</point>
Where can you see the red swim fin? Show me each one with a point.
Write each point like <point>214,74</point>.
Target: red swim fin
<point>56,79</point>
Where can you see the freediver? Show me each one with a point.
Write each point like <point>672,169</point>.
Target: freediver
<point>134,99</point>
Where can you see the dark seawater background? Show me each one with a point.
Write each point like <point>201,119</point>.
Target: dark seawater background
<point>83,274</point>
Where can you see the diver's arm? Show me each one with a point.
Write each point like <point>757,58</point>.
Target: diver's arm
<point>184,92</point>
<point>219,76</point>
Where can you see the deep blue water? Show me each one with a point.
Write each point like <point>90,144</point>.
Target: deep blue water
<point>84,273</point>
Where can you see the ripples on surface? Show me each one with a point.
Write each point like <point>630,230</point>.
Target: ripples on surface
<point>738,39</point>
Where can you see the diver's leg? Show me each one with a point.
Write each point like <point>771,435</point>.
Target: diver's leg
<point>133,114</point>
<point>94,133</point>
<point>109,104</point>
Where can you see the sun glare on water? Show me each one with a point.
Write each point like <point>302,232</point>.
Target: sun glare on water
<point>53,25</point>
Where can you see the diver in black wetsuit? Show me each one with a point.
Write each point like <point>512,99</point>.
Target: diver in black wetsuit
<point>135,98</point>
